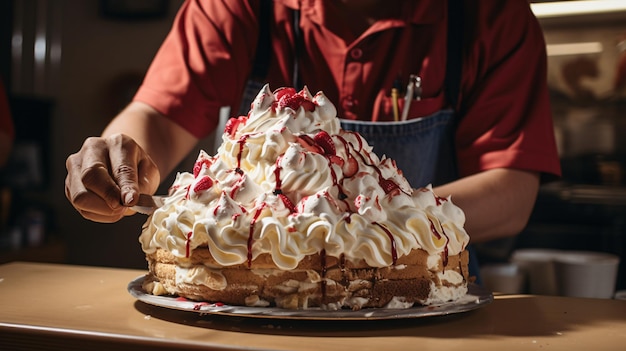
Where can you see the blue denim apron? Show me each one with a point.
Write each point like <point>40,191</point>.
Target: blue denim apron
<point>422,147</point>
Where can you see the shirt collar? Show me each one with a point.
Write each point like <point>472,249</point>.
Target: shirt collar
<point>415,12</point>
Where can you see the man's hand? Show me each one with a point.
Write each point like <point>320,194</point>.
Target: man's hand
<point>106,176</point>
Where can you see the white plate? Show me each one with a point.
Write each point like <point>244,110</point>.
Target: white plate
<point>476,297</point>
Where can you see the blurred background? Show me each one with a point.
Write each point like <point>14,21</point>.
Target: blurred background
<point>69,65</point>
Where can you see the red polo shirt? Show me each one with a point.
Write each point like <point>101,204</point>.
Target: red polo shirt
<point>506,122</point>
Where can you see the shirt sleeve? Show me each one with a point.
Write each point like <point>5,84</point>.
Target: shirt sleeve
<point>506,116</point>
<point>203,63</point>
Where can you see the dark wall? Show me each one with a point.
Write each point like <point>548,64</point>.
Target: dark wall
<point>6,10</point>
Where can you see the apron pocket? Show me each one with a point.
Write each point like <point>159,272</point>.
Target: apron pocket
<point>424,107</point>
<point>420,146</point>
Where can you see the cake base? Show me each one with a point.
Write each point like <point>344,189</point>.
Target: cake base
<point>317,281</point>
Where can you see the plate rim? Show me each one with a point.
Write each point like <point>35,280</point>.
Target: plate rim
<point>476,297</point>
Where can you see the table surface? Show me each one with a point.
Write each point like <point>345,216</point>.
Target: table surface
<point>52,306</point>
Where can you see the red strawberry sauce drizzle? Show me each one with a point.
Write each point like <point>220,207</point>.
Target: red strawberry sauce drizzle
<point>342,194</point>
<point>438,199</point>
<point>198,305</point>
<point>444,257</point>
<point>251,233</point>
<point>278,187</point>
<point>188,188</point>
<point>188,245</point>
<point>387,185</point>
<point>215,210</point>
<point>287,203</point>
<point>394,253</point>
<point>241,142</point>
<point>348,218</point>
<point>237,186</point>
<point>322,143</point>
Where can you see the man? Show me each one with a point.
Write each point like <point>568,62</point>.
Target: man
<point>499,124</point>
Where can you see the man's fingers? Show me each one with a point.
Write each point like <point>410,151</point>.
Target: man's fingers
<point>101,218</point>
<point>124,154</point>
<point>86,200</point>
<point>89,186</point>
<point>102,177</point>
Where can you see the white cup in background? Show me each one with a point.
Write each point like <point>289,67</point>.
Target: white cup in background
<point>620,295</point>
<point>539,267</point>
<point>506,278</point>
<point>586,274</point>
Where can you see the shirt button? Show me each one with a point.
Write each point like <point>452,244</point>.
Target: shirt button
<point>356,53</point>
<point>348,103</point>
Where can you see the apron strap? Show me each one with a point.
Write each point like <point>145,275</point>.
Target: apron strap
<point>297,34</point>
<point>262,57</point>
<point>263,53</point>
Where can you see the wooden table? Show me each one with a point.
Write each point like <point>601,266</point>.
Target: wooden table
<point>49,306</point>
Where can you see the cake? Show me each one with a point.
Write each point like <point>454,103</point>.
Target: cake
<point>295,212</point>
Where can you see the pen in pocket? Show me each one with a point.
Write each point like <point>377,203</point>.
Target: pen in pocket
<point>394,102</point>
<point>413,92</point>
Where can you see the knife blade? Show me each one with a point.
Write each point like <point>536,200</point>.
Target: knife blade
<point>147,204</point>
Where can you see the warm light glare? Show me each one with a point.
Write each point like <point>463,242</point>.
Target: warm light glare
<point>579,7</point>
<point>40,49</point>
<point>574,48</point>
<point>17,40</point>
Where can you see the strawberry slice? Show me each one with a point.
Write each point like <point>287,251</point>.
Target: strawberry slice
<point>233,123</point>
<point>325,142</point>
<point>309,144</point>
<point>197,167</point>
<point>287,203</point>
<point>308,105</point>
<point>280,92</point>
<point>289,98</point>
<point>203,184</point>
<point>350,167</point>
<point>292,101</point>
<point>231,126</point>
